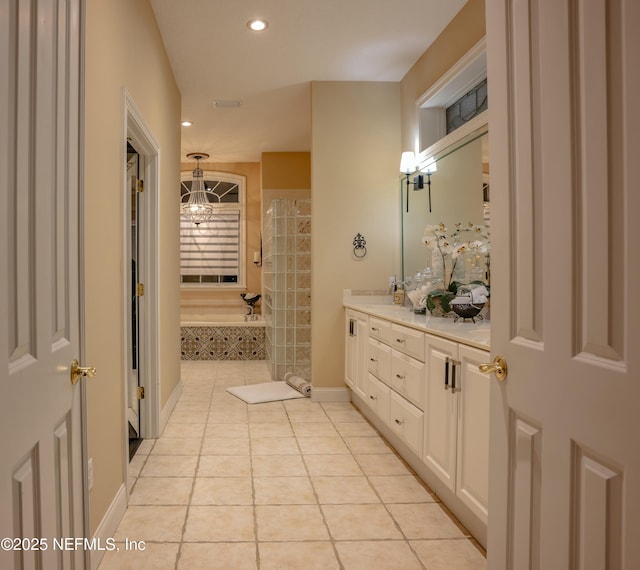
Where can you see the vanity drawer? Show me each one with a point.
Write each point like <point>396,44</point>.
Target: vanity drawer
<point>379,360</point>
<point>408,340</point>
<point>407,377</point>
<point>380,330</point>
<point>407,421</point>
<point>378,398</point>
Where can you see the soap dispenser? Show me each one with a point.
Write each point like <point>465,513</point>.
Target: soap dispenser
<point>398,294</point>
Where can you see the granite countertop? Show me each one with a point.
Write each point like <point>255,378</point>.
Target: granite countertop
<point>476,334</point>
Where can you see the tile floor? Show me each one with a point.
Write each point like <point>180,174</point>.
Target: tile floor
<point>287,485</point>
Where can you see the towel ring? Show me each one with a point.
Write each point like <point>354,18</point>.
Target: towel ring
<point>359,246</point>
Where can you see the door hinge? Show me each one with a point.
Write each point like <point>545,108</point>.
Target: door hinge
<point>140,290</point>
<point>140,185</point>
<point>140,392</point>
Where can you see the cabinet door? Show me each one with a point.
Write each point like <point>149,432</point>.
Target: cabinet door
<point>379,360</point>
<point>356,334</point>
<point>378,398</point>
<point>408,340</point>
<point>473,431</point>
<point>351,350</point>
<point>407,377</point>
<point>407,421</point>
<point>362,336</point>
<point>440,410</point>
<point>380,330</point>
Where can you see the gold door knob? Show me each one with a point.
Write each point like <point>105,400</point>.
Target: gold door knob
<point>497,367</point>
<point>78,371</point>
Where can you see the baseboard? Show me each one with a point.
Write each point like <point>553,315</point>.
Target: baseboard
<point>330,394</point>
<point>165,414</point>
<point>109,523</point>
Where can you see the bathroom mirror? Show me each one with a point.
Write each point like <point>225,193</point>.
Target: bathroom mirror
<point>459,193</point>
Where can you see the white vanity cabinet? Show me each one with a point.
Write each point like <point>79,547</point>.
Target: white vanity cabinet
<point>406,407</point>
<point>421,387</point>
<point>396,379</point>
<point>456,444</point>
<point>357,336</point>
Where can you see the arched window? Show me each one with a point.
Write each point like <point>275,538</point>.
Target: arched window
<point>212,254</point>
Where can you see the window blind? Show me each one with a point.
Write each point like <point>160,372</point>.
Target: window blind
<point>211,249</point>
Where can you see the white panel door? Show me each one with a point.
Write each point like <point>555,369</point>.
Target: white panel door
<point>564,81</point>
<point>41,479</point>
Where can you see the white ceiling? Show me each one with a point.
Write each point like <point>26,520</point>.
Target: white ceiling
<point>215,56</point>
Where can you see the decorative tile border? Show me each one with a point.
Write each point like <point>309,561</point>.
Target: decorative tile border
<point>222,343</point>
<point>369,292</point>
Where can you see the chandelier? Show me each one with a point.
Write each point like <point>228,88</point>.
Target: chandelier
<point>197,208</point>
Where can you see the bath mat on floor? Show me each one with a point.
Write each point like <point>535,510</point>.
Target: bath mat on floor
<point>266,392</point>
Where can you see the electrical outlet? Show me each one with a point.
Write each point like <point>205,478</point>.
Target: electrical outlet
<point>90,472</point>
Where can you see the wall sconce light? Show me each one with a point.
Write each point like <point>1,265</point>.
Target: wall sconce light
<point>408,166</point>
<point>197,208</point>
<point>430,168</point>
<point>257,255</point>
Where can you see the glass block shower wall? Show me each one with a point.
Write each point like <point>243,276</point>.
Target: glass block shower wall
<point>286,274</point>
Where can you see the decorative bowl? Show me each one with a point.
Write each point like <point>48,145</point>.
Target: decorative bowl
<point>467,310</point>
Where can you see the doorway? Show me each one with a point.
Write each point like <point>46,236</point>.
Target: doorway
<point>135,285</point>
<point>140,183</point>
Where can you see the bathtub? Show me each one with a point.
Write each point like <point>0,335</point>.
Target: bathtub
<point>222,336</point>
<point>220,320</point>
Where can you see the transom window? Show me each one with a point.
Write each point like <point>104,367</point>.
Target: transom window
<point>212,253</point>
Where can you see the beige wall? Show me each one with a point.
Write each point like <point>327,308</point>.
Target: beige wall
<point>212,298</point>
<point>124,50</point>
<point>355,189</point>
<point>285,175</point>
<point>358,133</point>
<point>286,170</point>
<point>462,33</point>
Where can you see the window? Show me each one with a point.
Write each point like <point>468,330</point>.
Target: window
<point>212,253</point>
<point>467,107</point>
<point>457,100</point>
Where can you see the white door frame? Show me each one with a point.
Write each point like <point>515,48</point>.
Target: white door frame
<point>141,137</point>
<point>82,338</point>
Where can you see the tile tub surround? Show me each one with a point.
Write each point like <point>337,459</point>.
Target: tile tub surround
<point>222,342</point>
<point>293,484</point>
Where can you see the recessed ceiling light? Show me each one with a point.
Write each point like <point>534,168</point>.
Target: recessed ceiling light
<point>257,24</point>
<point>186,123</point>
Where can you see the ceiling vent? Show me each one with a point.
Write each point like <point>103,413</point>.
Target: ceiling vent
<point>226,103</point>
